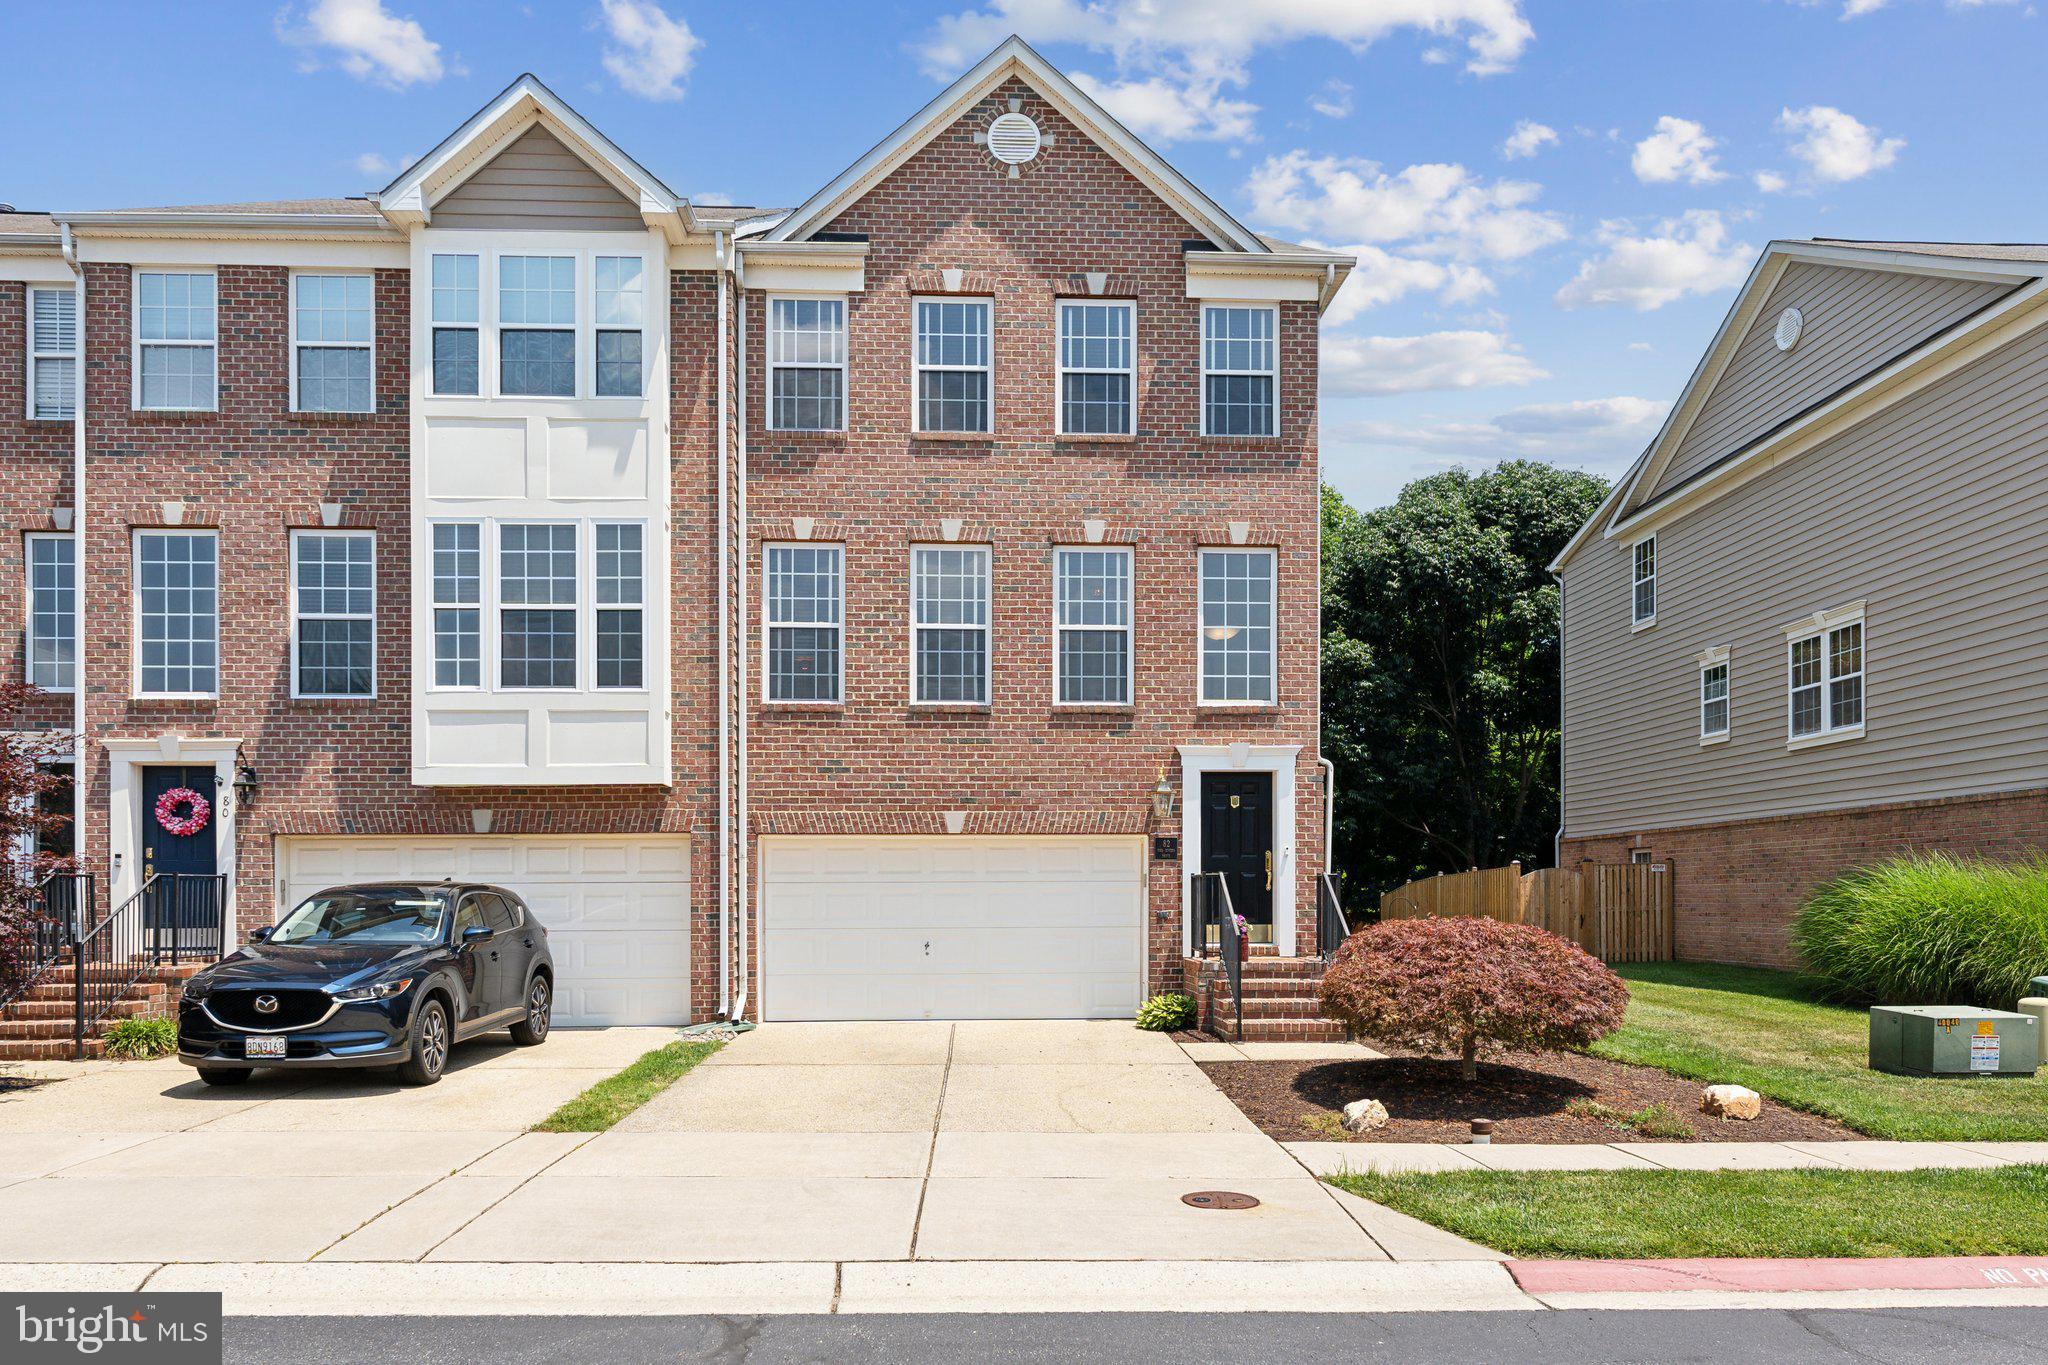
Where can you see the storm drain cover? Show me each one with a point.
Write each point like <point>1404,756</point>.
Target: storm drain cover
<point>1219,1199</point>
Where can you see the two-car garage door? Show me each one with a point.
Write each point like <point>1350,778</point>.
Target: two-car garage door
<point>952,927</point>
<point>617,909</point>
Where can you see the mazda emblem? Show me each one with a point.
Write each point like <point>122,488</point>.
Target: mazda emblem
<point>266,1004</point>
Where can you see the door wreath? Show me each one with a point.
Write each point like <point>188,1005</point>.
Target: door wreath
<point>194,818</point>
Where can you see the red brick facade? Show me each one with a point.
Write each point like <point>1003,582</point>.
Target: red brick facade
<point>1738,885</point>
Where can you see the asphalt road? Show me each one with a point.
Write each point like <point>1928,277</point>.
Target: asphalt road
<point>1953,1336</point>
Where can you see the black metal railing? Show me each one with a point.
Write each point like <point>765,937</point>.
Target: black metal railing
<point>1209,901</point>
<point>55,911</point>
<point>174,917</point>
<point>1331,926</point>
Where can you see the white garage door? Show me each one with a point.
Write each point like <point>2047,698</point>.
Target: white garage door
<point>952,928</point>
<point>617,910</point>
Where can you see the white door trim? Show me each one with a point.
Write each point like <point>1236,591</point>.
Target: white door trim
<point>1277,759</point>
<point>124,807</point>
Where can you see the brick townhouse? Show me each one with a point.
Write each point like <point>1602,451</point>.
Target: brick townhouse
<point>876,608</point>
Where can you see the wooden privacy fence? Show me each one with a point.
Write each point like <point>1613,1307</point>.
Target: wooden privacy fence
<point>1619,912</point>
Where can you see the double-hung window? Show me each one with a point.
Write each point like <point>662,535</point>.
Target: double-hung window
<point>1713,696</point>
<point>537,326</point>
<point>805,605</point>
<point>1096,368</point>
<point>1825,677</point>
<point>52,608</point>
<point>620,592</point>
<point>458,604</point>
<point>949,594</point>
<point>334,614</point>
<point>456,322</point>
<point>333,328</point>
<point>1092,625</point>
<point>1645,599</point>
<point>1237,626</point>
<point>537,604</point>
<point>621,313</point>
<point>52,354</point>
<point>807,364</point>
<point>174,340</point>
<point>953,365</point>
<point>177,611</point>
<point>1240,373</point>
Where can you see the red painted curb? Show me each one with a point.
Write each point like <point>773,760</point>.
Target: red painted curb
<point>1781,1276</point>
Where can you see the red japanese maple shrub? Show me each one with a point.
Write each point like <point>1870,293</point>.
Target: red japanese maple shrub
<point>1471,987</point>
<point>25,775</point>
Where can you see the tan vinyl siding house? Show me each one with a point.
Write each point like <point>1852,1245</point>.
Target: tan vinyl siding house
<point>1927,507</point>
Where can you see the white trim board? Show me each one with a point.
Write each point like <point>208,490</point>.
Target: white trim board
<point>124,806</point>
<point>1277,759</point>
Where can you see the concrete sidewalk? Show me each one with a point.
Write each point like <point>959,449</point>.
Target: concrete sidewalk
<point>1395,1158</point>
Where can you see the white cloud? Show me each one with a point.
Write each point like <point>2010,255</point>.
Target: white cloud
<point>1381,277</point>
<point>1529,138</point>
<point>1597,430</point>
<point>1333,100</point>
<point>1165,109</point>
<point>1856,9</point>
<point>1678,257</point>
<point>1438,360</point>
<point>650,54</point>
<point>372,163</point>
<point>366,40</point>
<point>1441,210</point>
<point>1679,149</point>
<point>711,198</point>
<point>1836,146</point>
<point>1770,182</point>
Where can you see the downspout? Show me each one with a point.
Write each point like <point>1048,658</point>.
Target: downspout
<point>746,617</point>
<point>1557,840</point>
<point>724,680</point>
<point>69,247</point>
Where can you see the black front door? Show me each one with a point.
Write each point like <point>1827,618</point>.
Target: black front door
<point>185,902</point>
<point>1237,840</point>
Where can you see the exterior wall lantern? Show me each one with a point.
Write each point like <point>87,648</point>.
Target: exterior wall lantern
<point>1162,797</point>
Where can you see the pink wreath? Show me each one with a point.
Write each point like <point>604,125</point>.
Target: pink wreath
<point>174,823</point>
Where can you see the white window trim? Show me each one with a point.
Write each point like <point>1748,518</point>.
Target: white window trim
<point>1202,340</point>
<point>646,291</point>
<point>769,623</point>
<point>1635,583</point>
<point>1272,655</point>
<point>298,537</point>
<point>435,325</point>
<point>586,623</point>
<point>35,357</point>
<point>1716,657</point>
<point>845,356</point>
<point>582,330</point>
<point>28,601</point>
<point>135,342</point>
<point>135,612</point>
<point>987,627</point>
<point>1061,369</point>
<point>1819,625</point>
<point>918,367</point>
<point>484,606</point>
<point>292,325</point>
<point>586,671</point>
<point>1128,629</point>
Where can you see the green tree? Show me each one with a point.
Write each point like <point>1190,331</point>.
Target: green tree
<point>1440,671</point>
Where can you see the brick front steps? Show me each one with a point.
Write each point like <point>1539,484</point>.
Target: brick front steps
<point>1279,1000</point>
<point>37,1027</point>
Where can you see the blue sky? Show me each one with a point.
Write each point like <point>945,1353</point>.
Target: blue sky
<point>1543,295</point>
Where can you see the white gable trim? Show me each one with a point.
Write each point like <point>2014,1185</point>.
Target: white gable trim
<point>1016,57</point>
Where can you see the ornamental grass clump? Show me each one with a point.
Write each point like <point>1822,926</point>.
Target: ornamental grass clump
<point>1471,987</point>
<point>1928,929</point>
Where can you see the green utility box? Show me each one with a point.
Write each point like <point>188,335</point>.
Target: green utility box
<point>1953,1040</point>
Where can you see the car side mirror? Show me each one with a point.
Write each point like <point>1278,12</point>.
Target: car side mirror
<point>260,935</point>
<point>475,933</point>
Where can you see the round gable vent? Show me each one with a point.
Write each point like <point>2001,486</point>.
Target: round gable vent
<point>1789,323</point>
<point>1013,139</point>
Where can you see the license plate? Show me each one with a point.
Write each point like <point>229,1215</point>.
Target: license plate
<point>264,1047</point>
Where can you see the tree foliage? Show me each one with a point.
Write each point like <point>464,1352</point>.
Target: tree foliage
<point>25,776</point>
<point>1471,987</point>
<point>1440,670</point>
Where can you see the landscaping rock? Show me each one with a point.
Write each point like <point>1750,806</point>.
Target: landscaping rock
<point>1731,1102</point>
<point>1362,1116</point>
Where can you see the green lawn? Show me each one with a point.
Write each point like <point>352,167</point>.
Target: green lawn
<point>618,1095</point>
<point>1640,1214</point>
<point>1755,1028</point>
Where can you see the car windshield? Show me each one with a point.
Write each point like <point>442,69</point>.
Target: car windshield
<point>365,914</point>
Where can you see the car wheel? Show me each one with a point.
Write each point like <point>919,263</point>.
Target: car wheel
<point>430,1042</point>
<point>540,1004</point>
<point>224,1075</point>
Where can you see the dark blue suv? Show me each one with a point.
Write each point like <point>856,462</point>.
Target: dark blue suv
<point>392,974</point>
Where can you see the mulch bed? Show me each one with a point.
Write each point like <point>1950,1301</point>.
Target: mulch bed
<point>1525,1095</point>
